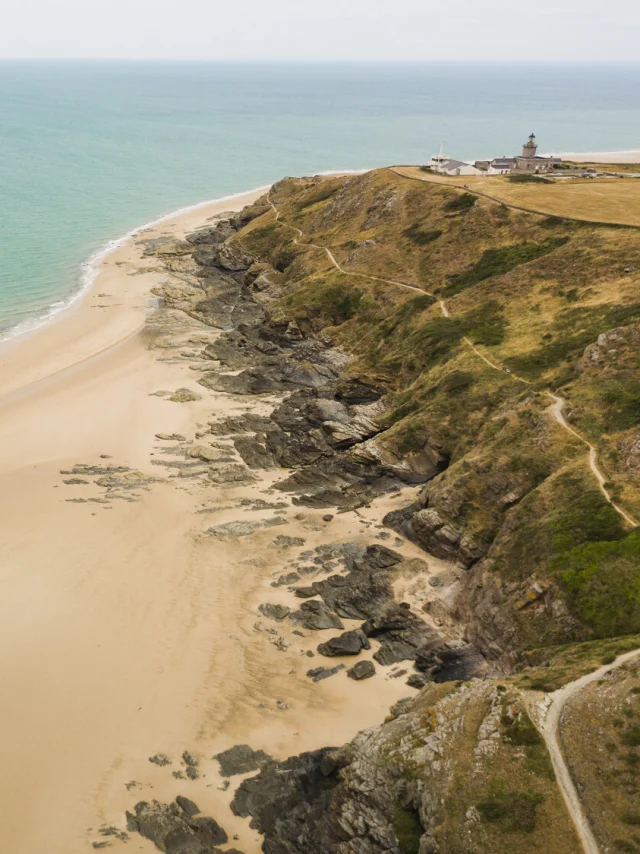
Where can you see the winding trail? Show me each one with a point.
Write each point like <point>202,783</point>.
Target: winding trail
<point>335,263</point>
<point>548,727</point>
<point>551,715</point>
<point>556,409</point>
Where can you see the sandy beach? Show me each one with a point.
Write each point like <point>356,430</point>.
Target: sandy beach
<point>602,156</point>
<point>125,629</point>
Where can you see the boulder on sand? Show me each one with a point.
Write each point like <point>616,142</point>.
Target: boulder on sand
<point>348,643</point>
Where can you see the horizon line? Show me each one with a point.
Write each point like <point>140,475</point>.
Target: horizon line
<point>318,61</point>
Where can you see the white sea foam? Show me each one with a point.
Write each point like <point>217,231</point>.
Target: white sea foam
<point>90,268</point>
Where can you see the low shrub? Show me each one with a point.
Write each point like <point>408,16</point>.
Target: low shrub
<point>513,811</point>
<point>420,236</point>
<point>603,583</point>
<point>323,192</point>
<point>284,258</point>
<point>501,260</point>
<point>485,324</point>
<point>434,340</point>
<point>574,329</point>
<point>527,178</point>
<point>408,830</point>
<point>631,736</point>
<point>462,203</point>
<point>456,382</point>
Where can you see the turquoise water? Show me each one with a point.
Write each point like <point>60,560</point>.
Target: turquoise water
<point>90,150</point>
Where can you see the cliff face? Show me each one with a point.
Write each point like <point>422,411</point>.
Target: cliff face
<point>548,305</point>
<point>415,335</point>
<point>455,769</point>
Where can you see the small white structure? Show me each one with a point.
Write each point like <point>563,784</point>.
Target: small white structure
<point>443,164</point>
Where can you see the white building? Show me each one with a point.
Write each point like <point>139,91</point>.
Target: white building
<point>528,161</point>
<point>443,164</point>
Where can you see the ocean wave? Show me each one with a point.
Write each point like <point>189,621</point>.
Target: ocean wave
<point>91,267</point>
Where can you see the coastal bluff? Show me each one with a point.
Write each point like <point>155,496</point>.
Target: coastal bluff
<point>406,337</point>
<point>338,520</point>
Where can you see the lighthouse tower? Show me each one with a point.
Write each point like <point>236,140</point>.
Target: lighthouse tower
<point>530,147</point>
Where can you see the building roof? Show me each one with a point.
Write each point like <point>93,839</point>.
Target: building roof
<point>538,157</point>
<point>503,161</point>
<point>453,164</point>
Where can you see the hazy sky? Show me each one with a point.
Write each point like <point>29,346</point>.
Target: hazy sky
<point>322,29</point>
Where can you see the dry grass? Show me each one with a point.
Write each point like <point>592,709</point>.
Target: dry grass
<point>632,168</point>
<point>549,668</point>
<point>594,199</point>
<point>600,732</point>
<point>530,291</point>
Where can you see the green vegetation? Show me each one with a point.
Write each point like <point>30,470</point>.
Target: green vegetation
<point>284,258</point>
<point>621,403</point>
<point>420,236</point>
<point>526,178</point>
<point>457,382</point>
<point>573,330</point>
<point>603,581</point>
<point>631,736</point>
<point>435,340</point>
<point>486,324</point>
<point>504,459</point>
<point>330,300</point>
<point>408,830</point>
<point>549,668</point>
<point>323,191</point>
<point>520,732</point>
<point>570,533</point>
<point>266,239</point>
<point>513,811</point>
<point>553,222</point>
<point>406,312</point>
<point>497,262</point>
<point>461,203</point>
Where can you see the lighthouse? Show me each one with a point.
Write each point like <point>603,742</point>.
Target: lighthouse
<point>530,147</point>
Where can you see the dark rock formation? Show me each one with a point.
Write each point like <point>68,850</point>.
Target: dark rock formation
<point>175,830</point>
<point>187,806</point>
<point>316,616</point>
<point>425,527</point>
<point>285,797</point>
<point>362,670</point>
<point>401,634</point>
<point>348,643</point>
<point>240,760</point>
<point>274,612</point>
<point>366,591</point>
<point>317,674</point>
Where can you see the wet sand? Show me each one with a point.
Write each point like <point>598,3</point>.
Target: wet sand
<point>125,630</point>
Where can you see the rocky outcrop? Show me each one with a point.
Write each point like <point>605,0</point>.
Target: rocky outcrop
<point>175,828</point>
<point>428,529</point>
<point>240,759</point>
<point>392,789</point>
<point>348,643</point>
<point>325,426</point>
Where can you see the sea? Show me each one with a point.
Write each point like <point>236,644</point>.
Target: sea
<point>91,150</point>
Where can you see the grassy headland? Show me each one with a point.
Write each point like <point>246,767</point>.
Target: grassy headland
<point>555,301</point>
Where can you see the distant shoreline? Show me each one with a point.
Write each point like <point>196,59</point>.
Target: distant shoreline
<point>599,156</point>
<point>89,269</point>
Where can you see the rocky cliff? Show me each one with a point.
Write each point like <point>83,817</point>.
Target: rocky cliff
<point>413,335</point>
